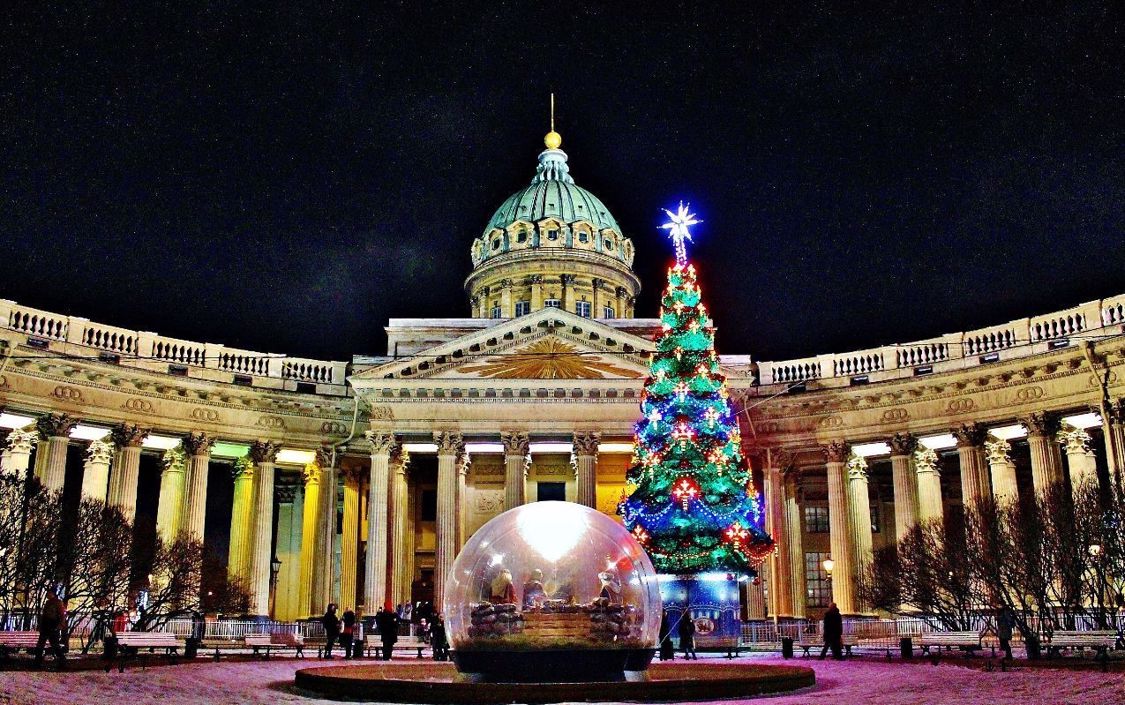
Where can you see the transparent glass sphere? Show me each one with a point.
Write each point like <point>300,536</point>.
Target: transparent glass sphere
<point>552,575</point>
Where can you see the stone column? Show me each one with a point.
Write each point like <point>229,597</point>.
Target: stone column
<point>170,503</point>
<point>197,447</point>
<point>567,292</point>
<point>859,502</point>
<point>349,543</point>
<point>378,499</point>
<point>517,456</point>
<point>905,482</point>
<point>794,522</point>
<point>325,559</point>
<point>402,567</point>
<point>619,307</point>
<point>310,505</point>
<point>464,460</point>
<point>17,451</point>
<point>929,484</point>
<point>1079,458</point>
<point>264,455</point>
<point>449,446</point>
<point>507,306</point>
<point>55,430</point>
<point>484,303</point>
<point>535,281</point>
<point>1113,425</point>
<point>1002,469</point>
<point>95,473</point>
<point>756,599</point>
<point>836,454</point>
<point>126,468</point>
<point>974,474</point>
<point>781,583</point>
<point>1046,459</point>
<point>238,558</point>
<point>586,462</point>
<point>596,300</point>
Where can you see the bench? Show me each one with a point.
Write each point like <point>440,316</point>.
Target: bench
<point>410,643</point>
<point>275,641</point>
<point>967,642</point>
<point>806,644</point>
<point>12,642</point>
<point>129,645</point>
<point>1101,642</point>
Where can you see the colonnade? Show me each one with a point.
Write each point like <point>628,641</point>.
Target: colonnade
<point>986,470</point>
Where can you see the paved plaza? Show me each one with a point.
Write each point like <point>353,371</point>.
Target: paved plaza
<point>861,680</point>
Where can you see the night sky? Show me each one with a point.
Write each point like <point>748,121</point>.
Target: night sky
<point>285,180</point>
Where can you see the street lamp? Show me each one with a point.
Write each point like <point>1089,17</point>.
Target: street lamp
<point>275,568</point>
<point>828,565</point>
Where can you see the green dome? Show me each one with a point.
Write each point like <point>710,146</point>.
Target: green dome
<point>553,194</point>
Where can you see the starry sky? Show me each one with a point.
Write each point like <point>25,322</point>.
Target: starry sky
<point>284,178</point>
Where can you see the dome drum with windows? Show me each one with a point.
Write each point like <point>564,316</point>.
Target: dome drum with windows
<point>556,244</point>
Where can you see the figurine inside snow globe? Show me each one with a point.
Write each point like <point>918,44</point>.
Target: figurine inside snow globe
<point>552,592</point>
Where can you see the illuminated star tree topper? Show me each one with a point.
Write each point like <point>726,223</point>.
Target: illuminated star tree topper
<point>678,226</point>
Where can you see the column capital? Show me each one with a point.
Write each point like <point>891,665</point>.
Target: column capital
<point>449,442</point>
<point>535,279</point>
<point>21,440</point>
<point>400,460</point>
<point>515,442</point>
<point>55,425</point>
<point>173,460</point>
<point>1074,440</point>
<point>99,451</point>
<point>926,460</point>
<point>506,284</point>
<point>242,466</point>
<point>263,452</point>
<point>324,457</point>
<point>310,474</point>
<point>382,443</point>
<point>996,450</point>
<point>969,435</point>
<point>1040,423</point>
<point>1115,410</point>
<point>128,435</point>
<point>586,442</point>
<point>857,468</point>
<point>837,451</point>
<point>197,443</point>
<point>903,443</point>
<point>567,279</point>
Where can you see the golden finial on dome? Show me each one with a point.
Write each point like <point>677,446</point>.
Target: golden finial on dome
<point>553,140</point>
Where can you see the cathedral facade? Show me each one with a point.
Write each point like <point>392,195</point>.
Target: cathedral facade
<point>357,482</point>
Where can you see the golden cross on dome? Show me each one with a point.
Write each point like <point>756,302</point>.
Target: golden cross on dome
<point>553,140</point>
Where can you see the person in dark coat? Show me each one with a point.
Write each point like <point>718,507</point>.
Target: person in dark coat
<point>347,633</point>
<point>331,629</point>
<point>687,636</point>
<point>1004,623</point>
<point>833,632</point>
<point>52,619</point>
<point>387,623</point>
<point>667,651</point>
<point>438,639</point>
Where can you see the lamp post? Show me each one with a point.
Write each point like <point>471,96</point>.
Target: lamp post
<point>1095,551</point>
<point>828,564</point>
<point>275,568</point>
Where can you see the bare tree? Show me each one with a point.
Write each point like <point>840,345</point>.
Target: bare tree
<point>96,563</point>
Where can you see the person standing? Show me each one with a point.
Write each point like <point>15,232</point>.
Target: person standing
<point>1004,623</point>
<point>331,628</point>
<point>667,652</point>
<point>438,639</point>
<point>833,632</point>
<point>52,619</point>
<point>387,623</point>
<point>687,636</point>
<point>347,633</point>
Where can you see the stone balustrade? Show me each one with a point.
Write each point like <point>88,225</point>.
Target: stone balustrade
<point>77,336</point>
<point>954,351</point>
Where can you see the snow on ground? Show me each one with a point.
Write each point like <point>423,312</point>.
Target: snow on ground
<point>866,680</point>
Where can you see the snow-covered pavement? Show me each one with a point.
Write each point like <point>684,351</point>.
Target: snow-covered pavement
<point>956,680</point>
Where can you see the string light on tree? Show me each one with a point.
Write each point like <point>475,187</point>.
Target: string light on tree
<point>691,485</point>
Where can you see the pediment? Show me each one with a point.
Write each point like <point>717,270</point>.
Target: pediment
<point>546,345</point>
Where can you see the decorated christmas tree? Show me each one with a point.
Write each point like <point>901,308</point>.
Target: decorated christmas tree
<point>693,505</point>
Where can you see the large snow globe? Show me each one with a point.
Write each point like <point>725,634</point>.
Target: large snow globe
<point>552,592</point>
